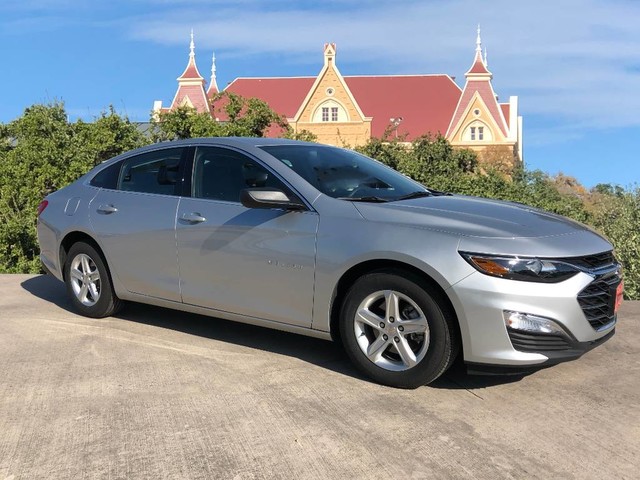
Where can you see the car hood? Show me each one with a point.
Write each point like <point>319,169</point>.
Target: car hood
<point>471,216</point>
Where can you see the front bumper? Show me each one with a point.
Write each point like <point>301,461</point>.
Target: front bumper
<point>489,345</point>
<point>574,351</point>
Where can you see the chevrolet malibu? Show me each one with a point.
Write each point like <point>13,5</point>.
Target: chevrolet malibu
<point>326,242</point>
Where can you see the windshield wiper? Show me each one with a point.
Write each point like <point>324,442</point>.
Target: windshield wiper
<point>418,194</point>
<point>422,193</point>
<point>364,199</point>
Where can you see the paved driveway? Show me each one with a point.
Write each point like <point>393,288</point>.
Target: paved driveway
<point>155,393</point>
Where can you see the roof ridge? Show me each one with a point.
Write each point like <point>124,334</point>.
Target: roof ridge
<point>400,75</point>
<point>272,78</point>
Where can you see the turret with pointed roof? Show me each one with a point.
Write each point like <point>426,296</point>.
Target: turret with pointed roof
<point>479,120</point>
<point>191,91</point>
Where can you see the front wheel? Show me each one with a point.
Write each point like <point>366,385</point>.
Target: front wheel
<point>88,282</point>
<point>397,331</point>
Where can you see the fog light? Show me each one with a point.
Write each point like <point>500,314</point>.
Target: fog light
<point>531,323</point>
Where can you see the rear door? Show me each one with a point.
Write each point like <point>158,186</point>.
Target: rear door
<point>135,222</point>
<point>253,262</point>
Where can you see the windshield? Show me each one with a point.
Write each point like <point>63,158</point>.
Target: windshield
<point>345,174</point>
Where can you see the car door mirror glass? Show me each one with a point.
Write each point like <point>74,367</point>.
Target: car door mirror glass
<point>269,198</point>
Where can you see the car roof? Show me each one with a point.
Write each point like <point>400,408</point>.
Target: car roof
<point>237,141</point>
<point>214,141</point>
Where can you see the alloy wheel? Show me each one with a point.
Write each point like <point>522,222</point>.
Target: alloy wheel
<point>391,330</point>
<point>85,279</point>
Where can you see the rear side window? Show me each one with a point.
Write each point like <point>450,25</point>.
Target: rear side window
<point>108,177</point>
<point>153,172</point>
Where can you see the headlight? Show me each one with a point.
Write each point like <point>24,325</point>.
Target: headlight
<point>518,268</point>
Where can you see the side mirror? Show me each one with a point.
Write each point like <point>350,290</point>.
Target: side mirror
<point>269,198</point>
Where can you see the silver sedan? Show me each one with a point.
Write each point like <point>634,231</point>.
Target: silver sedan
<point>326,242</point>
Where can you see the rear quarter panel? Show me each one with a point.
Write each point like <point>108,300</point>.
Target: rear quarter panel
<point>67,212</point>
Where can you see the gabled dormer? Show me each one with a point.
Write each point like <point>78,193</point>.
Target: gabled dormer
<point>330,109</point>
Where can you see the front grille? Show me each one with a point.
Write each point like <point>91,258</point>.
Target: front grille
<point>597,300</point>
<point>537,342</point>
<point>591,262</point>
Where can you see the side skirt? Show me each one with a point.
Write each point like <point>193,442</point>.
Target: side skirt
<point>210,312</point>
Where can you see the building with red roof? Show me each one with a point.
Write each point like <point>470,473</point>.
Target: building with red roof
<point>350,110</point>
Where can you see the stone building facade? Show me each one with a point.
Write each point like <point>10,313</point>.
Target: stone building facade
<point>349,110</point>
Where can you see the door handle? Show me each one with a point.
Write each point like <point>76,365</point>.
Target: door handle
<point>107,209</point>
<point>193,217</point>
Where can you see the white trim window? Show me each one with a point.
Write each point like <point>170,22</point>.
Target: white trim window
<point>477,132</point>
<point>330,111</point>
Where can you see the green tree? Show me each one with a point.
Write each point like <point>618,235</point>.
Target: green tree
<point>107,136</point>
<point>184,122</point>
<point>245,117</point>
<point>617,215</point>
<point>249,117</point>
<point>303,135</point>
<point>42,152</point>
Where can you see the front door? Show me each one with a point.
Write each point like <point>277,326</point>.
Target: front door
<point>253,262</point>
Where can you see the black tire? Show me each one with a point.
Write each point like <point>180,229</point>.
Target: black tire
<point>103,304</point>
<point>418,305</point>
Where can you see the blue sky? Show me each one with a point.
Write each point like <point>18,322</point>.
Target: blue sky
<point>574,64</point>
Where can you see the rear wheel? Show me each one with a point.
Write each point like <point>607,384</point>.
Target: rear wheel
<point>88,282</point>
<point>397,331</point>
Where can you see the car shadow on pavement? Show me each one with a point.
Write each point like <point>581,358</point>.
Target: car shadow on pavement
<point>316,351</point>
<point>457,378</point>
<point>319,352</point>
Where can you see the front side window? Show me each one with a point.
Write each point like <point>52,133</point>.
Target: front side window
<point>334,114</point>
<point>153,172</point>
<point>473,133</point>
<point>344,174</point>
<point>480,133</point>
<point>221,174</point>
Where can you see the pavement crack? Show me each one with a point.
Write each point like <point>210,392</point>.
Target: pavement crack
<point>474,394</point>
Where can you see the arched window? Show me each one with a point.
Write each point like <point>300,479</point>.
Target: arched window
<point>330,111</point>
<point>477,132</point>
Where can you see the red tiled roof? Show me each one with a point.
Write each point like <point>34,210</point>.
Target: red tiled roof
<point>191,72</point>
<point>506,108</point>
<point>426,103</point>
<point>284,95</point>
<point>478,67</point>
<point>196,96</point>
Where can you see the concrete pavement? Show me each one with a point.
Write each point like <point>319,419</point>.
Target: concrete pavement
<point>154,393</point>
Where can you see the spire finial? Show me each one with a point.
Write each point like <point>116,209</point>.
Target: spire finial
<point>192,46</point>
<point>478,42</point>
<point>213,84</point>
